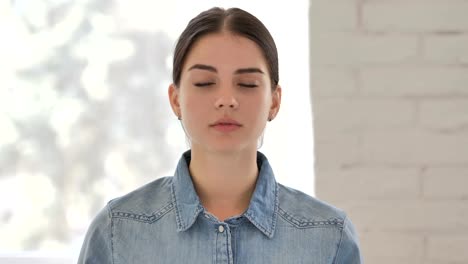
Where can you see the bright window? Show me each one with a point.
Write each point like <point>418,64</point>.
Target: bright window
<point>84,115</point>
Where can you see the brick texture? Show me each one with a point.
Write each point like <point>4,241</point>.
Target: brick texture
<point>415,147</point>
<point>344,115</point>
<point>414,81</point>
<point>389,84</point>
<point>392,247</point>
<point>379,183</point>
<point>445,183</point>
<point>329,82</point>
<point>446,49</point>
<point>362,49</point>
<point>416,16</point>
<point>339,15</point>
<point>409,216</point>
<point>448,249</point>
<point>444,115</point>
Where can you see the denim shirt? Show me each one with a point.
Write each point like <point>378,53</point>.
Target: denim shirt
<point>164,222</point>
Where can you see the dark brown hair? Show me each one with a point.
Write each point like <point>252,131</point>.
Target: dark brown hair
<point>234,20</point>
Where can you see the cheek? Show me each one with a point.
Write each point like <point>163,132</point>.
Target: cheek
<point>259,106</point>
<point>193,105</point>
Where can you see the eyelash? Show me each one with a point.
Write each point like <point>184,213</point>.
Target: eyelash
<point>246,85</point>
<point>205,84</point>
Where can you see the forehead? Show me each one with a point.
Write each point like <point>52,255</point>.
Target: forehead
<point>227,51</point>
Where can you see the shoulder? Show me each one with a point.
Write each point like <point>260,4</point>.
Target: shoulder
<point>303,210</point>
<point>146,203</point>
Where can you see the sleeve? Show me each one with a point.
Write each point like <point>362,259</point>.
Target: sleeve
<point>97,245</point>
<point>348,251</point>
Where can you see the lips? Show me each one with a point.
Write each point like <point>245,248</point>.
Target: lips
<point>226,125</point>
<point>226,121</point>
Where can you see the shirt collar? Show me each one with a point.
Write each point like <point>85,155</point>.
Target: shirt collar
<point>262,210</point>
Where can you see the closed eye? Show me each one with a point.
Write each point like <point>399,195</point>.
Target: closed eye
<point>204,84</point>
<point>248,85</point>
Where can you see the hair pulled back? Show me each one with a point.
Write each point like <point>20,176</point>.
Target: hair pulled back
<point>234,20</point>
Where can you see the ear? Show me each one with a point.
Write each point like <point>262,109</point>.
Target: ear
<point>173,93</point>
<point>276,102</point>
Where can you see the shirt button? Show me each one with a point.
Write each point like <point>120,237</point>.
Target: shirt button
<point>221,228</point>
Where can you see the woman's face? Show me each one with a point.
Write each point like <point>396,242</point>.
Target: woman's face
<point>224,97</point>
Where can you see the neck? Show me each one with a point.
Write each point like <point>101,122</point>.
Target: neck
<point>224,182</point>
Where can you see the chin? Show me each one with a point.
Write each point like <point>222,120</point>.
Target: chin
<point>231,147</point>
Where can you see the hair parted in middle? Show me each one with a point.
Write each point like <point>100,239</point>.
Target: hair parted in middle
<point>234,20</point>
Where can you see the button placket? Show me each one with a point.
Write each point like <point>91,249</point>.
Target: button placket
<point>223,244</point>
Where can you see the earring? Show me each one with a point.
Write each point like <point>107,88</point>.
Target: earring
<point>178,117</point>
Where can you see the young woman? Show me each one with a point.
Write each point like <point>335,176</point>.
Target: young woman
<point>223,204</point>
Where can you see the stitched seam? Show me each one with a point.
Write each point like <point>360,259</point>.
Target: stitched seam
<point>332,222</point>
<point>180,223</point>
<point>339,246</point>
<point>228,245</point>
<point>214,250</point>
<point>269,232</point>
<point>256,224</point>
<point>112,232</point>
<point>234,245</point>
<point>275,212</point>
<point>195,214</point>
<point>145,218</point>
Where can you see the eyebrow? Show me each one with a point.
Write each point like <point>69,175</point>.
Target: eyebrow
<point>213,69</point>
<point>248,70</point>
<point>203,67</point>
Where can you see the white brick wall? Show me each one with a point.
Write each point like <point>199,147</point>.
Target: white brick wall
<point>379,183</point>
<point>415,15</point>
<point>424,80</point>
<point>393,247</point>
<point>447,249</point>
<point>333,82</point>
<point>351,115</point>
<point>389,83</point>
<point>446,49</point>
<point>447,115</point>
<point>335,15</point>
<point>415,147</point>
<point>348,49</point>
<point>445,183</point>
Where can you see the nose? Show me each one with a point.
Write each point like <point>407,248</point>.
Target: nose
<point>226,100</point>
